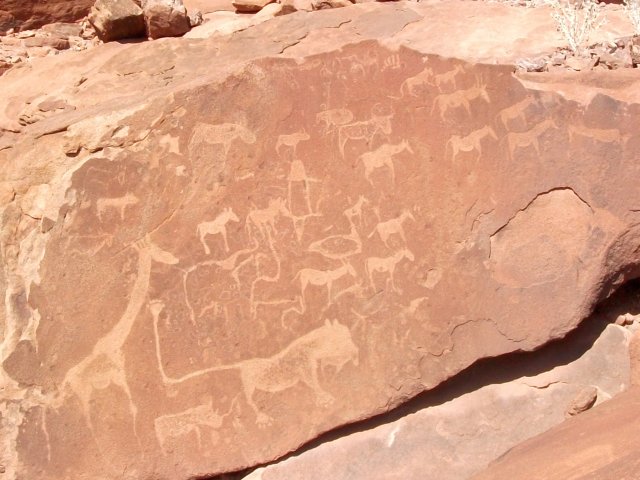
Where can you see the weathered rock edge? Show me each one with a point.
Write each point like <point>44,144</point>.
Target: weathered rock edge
<point>480,267</point>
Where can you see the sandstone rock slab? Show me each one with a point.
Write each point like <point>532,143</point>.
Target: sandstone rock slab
<point>166,18</point>
<point>601,444</point>
<point>117,19</point>
<point>157,155</point>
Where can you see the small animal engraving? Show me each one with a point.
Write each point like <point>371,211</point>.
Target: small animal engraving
<point>217,226</point>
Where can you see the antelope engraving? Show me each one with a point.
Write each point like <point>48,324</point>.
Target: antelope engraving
<point>320,278</point>
<point>515,112</point>
<point>470,143</point>
<point>392,227</point>
<point>609,135</point>
<point>460,98</point>
<point>330,345</point>
<point>355,211</point>
<point>387,265</point>
<point>383,157</point>
<point>448,77</point>
<point>530,137</point>
<point>291,140</point>
<point>118,203</point>
<point>215,227</point>
<point>221,134</point>
<point>264,220</point>
<point>364,130</point>
<point>412,84</point>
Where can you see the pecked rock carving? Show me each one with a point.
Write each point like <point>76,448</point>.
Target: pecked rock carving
<point>329,345</point>
<point>167,291</point>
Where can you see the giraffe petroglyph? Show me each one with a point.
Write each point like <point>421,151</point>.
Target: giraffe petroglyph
<point>105,365</point>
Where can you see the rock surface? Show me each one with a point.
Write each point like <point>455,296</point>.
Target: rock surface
<point>459,438</point>
<point>166,18</point>
<point>250,6</point>
<point>117,19</point>
<point>28,14</point>
<point>602,444</point>
<point>194,286</point>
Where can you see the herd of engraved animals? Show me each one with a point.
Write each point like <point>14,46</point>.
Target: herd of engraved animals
<point>331,344</point>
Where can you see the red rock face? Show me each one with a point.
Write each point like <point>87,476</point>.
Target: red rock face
<point>35,13</point>
<point>305,245</point>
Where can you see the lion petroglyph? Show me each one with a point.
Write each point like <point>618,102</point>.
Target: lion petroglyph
<point>217,226</point>
<point>387,265</point>
<point>221,134</point>
<point>330,345</point>
<point>469,143</point>
<point>391,227</point>
<point>383,157</point>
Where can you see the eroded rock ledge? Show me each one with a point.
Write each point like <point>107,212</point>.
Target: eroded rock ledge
<point>201,277</point>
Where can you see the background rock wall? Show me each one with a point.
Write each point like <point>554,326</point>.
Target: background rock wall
<point>26,14</point>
